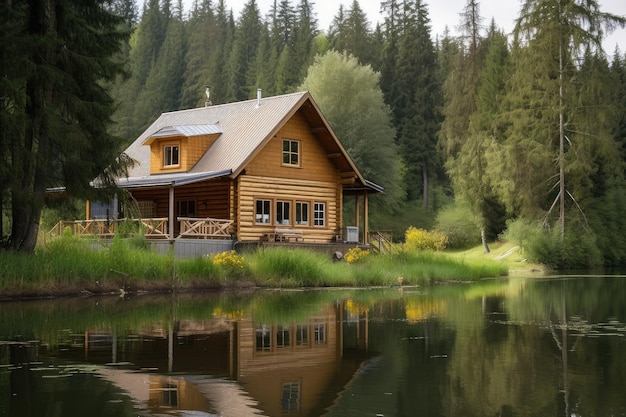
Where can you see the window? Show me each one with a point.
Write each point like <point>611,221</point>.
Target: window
<point>171,155</point>
<point>302,335</point>
<point>319,333</point>
<point>282,336</point>
<point>263,211</point>
<point>290,399</point>
<point>282,212</point>
<point>291,152</point>
<point>319,214</point>
<point>302,213</point>
<point>146,209</point>
<point>263,338</point>
<point>187,208</point>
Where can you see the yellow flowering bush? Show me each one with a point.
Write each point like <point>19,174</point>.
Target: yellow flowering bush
<point>356,254</point>
<point>230,261</point>
<point>420,239</point>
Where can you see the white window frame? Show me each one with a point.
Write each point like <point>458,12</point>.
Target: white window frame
<point>319,213</point>
<point>283,212</point>
<point>262,217</point>
<point>171,158</point>
<point>302,213</point>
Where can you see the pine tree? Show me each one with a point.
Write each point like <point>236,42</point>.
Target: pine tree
<point>145,44</point>
<point>557,31</point>
<point>417,102</point>
<point>162,90</point>
<point>57,111</point>
<point>244,52</point>
<point>201,31</point>
<point>351,33</point>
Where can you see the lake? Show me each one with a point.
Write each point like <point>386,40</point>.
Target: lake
<point>549,346</point>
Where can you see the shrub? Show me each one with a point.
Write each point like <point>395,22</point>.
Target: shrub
<point>231,262</point>
<point>576,250</point>
<point>356,254</point>
<point>420,239</point>
<point>460,225</point>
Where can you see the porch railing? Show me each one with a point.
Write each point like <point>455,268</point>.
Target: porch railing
<point>204,228</point>
<point>153,228</point>
<point>381,241</point>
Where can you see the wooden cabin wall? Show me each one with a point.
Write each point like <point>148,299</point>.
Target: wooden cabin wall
<point>314,162</point>
<point>254,188</point>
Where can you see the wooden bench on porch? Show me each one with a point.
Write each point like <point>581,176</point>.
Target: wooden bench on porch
<point>281,234</point>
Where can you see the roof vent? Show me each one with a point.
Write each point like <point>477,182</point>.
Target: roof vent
<point>207,91</point>
<point>258,97</point>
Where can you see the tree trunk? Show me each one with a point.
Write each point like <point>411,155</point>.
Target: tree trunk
<point>425,191</point>
<point>483,238</point>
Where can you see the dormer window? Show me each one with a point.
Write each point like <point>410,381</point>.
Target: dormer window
<point>291,152</point>
<point>171,155</point>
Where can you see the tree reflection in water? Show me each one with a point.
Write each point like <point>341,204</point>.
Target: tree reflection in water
<point>501,347</point>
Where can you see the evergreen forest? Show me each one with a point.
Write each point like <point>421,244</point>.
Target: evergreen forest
<point>481,134</point>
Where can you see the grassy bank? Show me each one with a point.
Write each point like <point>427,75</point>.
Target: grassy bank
<point>71,266</point>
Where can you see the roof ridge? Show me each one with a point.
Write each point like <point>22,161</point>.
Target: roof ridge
<point>233,103</point>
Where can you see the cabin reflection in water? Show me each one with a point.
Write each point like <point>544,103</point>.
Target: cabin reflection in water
<point>234,367</point>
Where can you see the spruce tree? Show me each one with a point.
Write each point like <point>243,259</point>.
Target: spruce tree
<point>556,32</point>
<point>56,110</point>
<point>201,33</point>
<point>244,52</point>
<point>162,90</point>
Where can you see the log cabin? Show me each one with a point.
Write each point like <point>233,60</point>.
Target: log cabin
<point>266,169</point>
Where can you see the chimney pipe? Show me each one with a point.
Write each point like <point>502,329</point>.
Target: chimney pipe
<point>258,97</point>
<point>207,91</point>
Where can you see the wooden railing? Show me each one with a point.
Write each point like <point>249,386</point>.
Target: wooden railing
<point>381,241</point>
<point>204,228</point>
<point>151,228</point>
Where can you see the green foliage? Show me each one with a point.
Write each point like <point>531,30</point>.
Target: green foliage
<point>460,225</point>
<point>606,219</point>
<point>349,96</point>
<point>56,109</point>
<point>575,251</point>
<point>521,231</point>
<point>424,240</point>
<point>294,268</point>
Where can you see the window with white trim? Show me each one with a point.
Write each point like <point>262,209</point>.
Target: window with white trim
<point>262,214</point>
<point>283,212</point>
<point>263,339</point>
<point>319,333</point>
<point>291,152</point>
<point>171,155</point>
<point>319,214</point>
<point>302,213</point>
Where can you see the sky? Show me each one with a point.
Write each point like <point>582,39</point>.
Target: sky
<point>442,13</point>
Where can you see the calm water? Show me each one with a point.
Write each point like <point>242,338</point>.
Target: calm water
<point>517,347</point>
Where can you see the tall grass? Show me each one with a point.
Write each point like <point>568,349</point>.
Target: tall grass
<point>298,268</point>
<point>70,265</point>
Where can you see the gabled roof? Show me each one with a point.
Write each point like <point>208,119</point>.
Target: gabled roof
<point>244,128</point>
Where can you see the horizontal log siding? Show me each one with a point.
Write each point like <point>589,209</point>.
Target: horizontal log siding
<point>212,198</point>
<point>252,188</point>
<point>314,163</point>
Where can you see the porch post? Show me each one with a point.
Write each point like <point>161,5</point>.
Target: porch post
<point>171,213</point>
<point>357,209</point>
<point>365,219</point>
